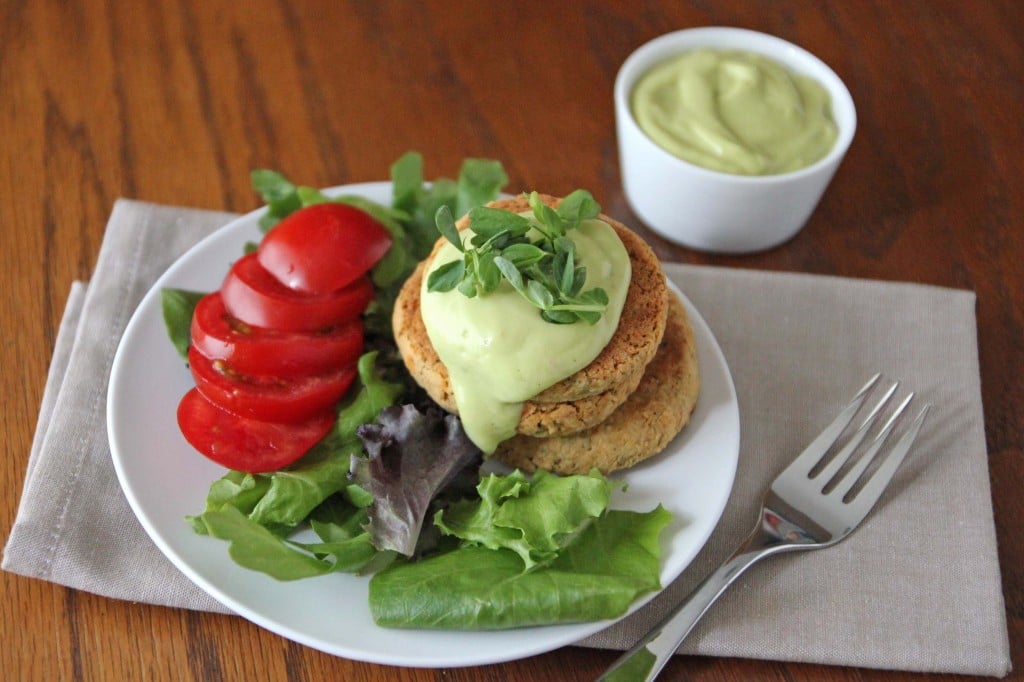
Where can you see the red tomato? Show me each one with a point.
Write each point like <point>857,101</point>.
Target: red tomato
<point>255,350</point>
<point>268,398</point>
<point>254,296</point>
<point>247,444</point>
<point>323,247</point>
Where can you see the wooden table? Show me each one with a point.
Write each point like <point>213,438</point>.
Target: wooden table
<point>175,102</point>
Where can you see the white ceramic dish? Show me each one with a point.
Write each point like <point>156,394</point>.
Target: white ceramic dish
<point>165,480</point>
<point>706,209</point>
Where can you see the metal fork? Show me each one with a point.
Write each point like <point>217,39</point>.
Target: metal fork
<point>816,502</point>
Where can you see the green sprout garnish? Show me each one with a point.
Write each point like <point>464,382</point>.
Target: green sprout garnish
<point>536,258</point>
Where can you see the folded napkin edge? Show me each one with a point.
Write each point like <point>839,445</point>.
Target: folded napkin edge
<point>679,266</point>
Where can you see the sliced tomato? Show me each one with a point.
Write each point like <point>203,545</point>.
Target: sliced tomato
<point>254,296</point>
<point>247,444</point>
<point>256,350</point>
<point>267,397</point>
<point>323,247</point>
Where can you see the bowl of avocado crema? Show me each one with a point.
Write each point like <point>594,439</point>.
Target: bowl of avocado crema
<point>728,137</point>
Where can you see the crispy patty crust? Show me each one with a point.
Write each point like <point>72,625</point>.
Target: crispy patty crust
<point>641,427</point>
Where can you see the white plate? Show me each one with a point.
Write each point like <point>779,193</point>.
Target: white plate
<point>165,480</point>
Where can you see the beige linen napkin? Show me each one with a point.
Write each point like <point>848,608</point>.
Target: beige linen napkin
<point>916,588</point>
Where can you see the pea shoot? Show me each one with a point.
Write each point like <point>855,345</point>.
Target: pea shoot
<point>536,257</point>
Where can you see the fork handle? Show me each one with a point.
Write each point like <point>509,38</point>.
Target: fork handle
<point>650,654</point>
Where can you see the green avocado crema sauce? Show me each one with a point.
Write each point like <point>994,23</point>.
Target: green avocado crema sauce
<point>498,351</point>
<point>734,111</point>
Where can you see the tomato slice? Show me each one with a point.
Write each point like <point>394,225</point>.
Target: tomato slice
<point>267,397</point>
<point>256,350</point>
<point>251,294</point>
<point>323,247</point>
<point>247,444</point>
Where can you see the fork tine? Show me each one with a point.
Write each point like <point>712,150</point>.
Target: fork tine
<point>813,453</point>
<point>873,489</point>
<point>843,487</point>
<point>854,442</point>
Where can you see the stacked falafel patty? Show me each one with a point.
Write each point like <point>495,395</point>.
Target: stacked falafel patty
<point>623,407</point>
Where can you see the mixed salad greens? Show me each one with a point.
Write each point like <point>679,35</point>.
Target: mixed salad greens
<point>397,490</point>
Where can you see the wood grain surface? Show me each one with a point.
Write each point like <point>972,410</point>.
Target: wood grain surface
<point>174,102</point>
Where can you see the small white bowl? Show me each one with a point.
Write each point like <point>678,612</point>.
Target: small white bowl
<point>710,210</point>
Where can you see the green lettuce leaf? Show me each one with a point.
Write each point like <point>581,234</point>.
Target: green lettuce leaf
<point>281,196</point>
<point>296,491</point>
<point>362,404</point>
<point>255,547</point>
<point>479,181</point>
<point>614,561</point>
<point>178,306</point>
<point>534,518</point>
